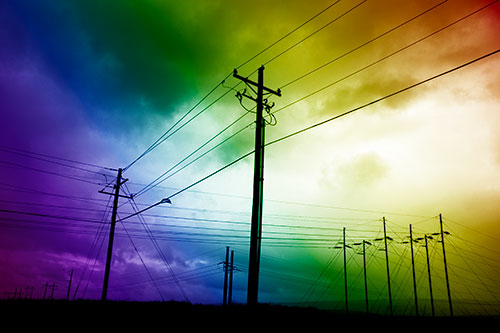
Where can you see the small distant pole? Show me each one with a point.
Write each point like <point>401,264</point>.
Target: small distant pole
<point>364,271</point>
<point>53,286</point>
<point>46,285</point>
<point>387,265</point>
<point>226,266</point>
<point>445,265</point>
<point>69,285</point>
<point>413,269</point>
<point>231,269</point>
<point>429,274</point>
<point>345,273</point>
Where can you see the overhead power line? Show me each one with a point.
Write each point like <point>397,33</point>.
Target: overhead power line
<point>167,134</point>
<point>371,64</point>
<point>327,121</point>
<point>158,180</point>
<point>315,32</point>
<point>47,157</point>
<point>288,34</point>
<point>375,62</point>
<point>363,44</point>
<point>384,97</point>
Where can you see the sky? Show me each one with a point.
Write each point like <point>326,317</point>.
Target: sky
<point>87,86</point>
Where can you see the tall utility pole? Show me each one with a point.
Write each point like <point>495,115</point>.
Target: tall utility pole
<point>445,265</point>
<point>258,182</point>
<point>429,273</point>
<point>119,182</point>
<point>387,265</point>
<point>226,267</point>
<point>345,272</point>
<point>413,270</point>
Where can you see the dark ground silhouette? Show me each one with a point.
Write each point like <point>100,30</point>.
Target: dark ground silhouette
<point>178,316</point>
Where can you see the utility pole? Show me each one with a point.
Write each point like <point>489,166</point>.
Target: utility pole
<point>53,286</point>
<point>345,272</point>
<point>258,183</point>
<point>119,182</point>
<point>69,285</point>
<point>46,285</point>
<point>429,273</point>
<point>387,265</point>
<point>364,271</point>
<point>231,270</point>
<point>413,270</point>
<point>226,267</point>
<point>445,265</point>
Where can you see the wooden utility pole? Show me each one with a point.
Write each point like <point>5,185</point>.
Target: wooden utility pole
<point>226,267</point>
<point>429,273</point>
<point>387,265</point>
<point>364,271</point>
<point>345,272</point>
<point>413,270</point>
<point>45,286</point>
<point>119,182</point>
<point>258,183</point>
<point>69,285</point>
<point>231,270</point>
<point>445,265</point>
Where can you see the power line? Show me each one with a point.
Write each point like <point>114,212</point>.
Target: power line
<point>47,172</point>
<point>157,180</point>
<point>331,119</point>
<point>158,248</point>
<point>164,136</point>
<point>288,34</point>
<point>28,153</point>
<point>362,45</point>
<point>315,32</point>
<point>363,106</point>
<point>377,61</point>
<point>50,216</point>
<point>382,98</point>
